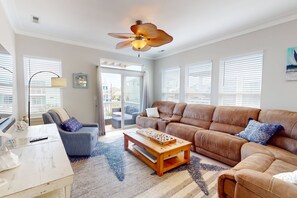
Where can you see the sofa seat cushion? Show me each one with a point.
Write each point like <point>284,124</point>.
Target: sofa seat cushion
<point>252,162</point>
<point>279,166</point>
<point>252,184</point>
<point>276,152</point>
<point>183,131</point>
<point>146,122</point>
<point>265,164</point>
<point>223,144</point>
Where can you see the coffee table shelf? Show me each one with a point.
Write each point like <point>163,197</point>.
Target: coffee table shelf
<point>181,148</point>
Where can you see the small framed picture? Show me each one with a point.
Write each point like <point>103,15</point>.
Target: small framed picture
<point>80,80</point>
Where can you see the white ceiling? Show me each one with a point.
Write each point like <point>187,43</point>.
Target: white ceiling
<point>190,22</point>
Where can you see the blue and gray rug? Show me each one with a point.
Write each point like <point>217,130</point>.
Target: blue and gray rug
<point>119,160</point>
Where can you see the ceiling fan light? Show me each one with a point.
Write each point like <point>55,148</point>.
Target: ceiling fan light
<point>139,44</point>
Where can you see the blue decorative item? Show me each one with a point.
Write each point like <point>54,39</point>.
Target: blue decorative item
<point>291,70</point>
<point>71,125</point>
<point>259,132</point>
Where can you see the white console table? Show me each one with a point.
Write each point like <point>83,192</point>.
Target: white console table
<point>45,169</point>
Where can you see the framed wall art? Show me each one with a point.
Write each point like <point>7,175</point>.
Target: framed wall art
<point>80,80</point>
<point>291,67</point>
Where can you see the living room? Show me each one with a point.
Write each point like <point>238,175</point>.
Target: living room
<point>261,30</point>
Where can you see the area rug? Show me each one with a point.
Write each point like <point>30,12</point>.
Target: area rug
<point>112,172</point>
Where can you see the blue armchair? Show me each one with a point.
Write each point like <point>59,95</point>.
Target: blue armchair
<point>79,143</point>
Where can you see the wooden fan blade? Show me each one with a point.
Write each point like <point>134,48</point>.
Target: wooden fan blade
<point>162,39</point>
<point>144,49</point>
<point>123,44</point>
<point>122,35</point>
<point>147,30</point>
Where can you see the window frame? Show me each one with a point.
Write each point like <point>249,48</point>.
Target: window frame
<point>179,84</point>
<point>7,84</point>
<point>186,78</point>
<point>242,93</point>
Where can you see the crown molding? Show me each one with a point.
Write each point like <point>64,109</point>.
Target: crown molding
<point>72,42</point>
<point>247,31</point>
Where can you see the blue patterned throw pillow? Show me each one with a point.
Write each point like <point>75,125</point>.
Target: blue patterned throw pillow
<point>259,132</point>
<point>71,125</point>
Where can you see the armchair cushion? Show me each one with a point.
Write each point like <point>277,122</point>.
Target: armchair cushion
<point>71,125</point>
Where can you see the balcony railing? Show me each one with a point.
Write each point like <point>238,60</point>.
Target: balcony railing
<point>108,106</point>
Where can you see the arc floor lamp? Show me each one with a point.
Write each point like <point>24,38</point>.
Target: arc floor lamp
<point>6,69</point>
<point>57,81</point>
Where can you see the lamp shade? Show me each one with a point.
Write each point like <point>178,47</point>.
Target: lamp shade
<point>58,82</point>
<point>138,44</point>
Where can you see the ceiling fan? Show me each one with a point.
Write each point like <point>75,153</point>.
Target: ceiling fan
<point>146,35</point>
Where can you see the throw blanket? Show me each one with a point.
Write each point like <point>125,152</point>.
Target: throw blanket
<point>62,113</point>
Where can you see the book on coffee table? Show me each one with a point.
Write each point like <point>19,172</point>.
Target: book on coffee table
<point>148,155</point>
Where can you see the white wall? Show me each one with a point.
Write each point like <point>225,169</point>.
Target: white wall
<point>79,103</point>
<point>7,40</point>
<point>277,93</point>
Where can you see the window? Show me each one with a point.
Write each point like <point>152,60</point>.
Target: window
<point>240,82</point>
<point>43,96</point>
<point>6,84</point>
<point>198,83</point>
<point>170,85</point>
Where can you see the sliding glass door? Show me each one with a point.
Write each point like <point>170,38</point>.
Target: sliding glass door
<point>121,97</point>
<point>112,94</point>
<point>132,99</point>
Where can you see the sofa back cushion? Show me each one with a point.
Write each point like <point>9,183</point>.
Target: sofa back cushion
<point>178,111</point>
<point>165,108</point>
<point>198,115</point>
<point>232,119</point>
<point>286,138</point>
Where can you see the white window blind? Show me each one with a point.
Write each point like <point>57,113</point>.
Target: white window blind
<point>6,84</point>
<point>240,83</point>
<point>43,96</point>
<point>198,83</point>
<point>170,85</point>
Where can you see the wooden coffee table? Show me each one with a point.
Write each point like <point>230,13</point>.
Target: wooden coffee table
<point>181,148</point>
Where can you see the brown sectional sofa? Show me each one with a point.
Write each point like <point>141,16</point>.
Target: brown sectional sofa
<point>211,130</point>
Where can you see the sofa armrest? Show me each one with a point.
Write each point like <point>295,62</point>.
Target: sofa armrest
<point>134,115</point>
<point>143,114</point>
<point>263,185</point>
<point>223,177</point>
